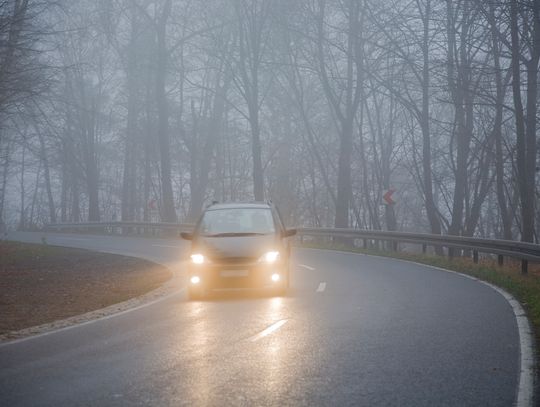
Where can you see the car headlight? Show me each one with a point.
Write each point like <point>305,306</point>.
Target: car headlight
<point>197,258</point>
<point>269,257</point>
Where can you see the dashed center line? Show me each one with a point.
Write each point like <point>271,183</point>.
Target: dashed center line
<point>307,267</point>
<point>322,287</point>
<point>269,330</point>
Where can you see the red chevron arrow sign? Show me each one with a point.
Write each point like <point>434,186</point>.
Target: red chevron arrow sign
<point>388,197</point>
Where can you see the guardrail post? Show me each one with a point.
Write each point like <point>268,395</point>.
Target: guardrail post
<point>500,259</point>
<point>524,266</point>
<point>475,256</point>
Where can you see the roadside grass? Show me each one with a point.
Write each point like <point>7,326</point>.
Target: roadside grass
<point>40,284</point>
<point>525,288</point>
<point>15,253</point>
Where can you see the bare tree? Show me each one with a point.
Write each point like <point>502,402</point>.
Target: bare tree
<point>526,119</point>
<point>343,107</point>
<point>252,38</point>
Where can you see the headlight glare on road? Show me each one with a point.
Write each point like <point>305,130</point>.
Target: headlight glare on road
<point>197,258</point>
<point>195,280</point>
<point>269,257</point>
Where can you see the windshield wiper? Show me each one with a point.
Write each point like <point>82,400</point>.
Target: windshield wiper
<point>233,234</point>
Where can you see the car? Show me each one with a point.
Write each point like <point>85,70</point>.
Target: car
<point>239,246</point>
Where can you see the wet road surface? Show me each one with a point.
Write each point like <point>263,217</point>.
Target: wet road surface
<point>353,330</point>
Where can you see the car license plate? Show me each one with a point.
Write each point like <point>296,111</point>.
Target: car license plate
<point>234,273</point>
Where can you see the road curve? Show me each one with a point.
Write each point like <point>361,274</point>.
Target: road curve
<point>353,330</point>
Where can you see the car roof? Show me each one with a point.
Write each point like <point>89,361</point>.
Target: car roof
<point>238,205</point>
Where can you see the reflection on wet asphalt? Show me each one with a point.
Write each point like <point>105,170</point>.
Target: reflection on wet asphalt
<point>381,332</point>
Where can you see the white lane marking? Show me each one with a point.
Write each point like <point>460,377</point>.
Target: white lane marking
<point>322,287</point>
<point>307,267</point>
<point>165,245</point>
<point>269,330</point>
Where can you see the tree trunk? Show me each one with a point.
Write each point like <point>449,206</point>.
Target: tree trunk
<point>148,156</point>
<point>91,167</point>
<point>258,178</point>
<point>458,72</point>
<point>506,219</point>
<point>347,113</point>
<point>344,191</point>
<point>251,26</point>
<point>46,173</point>
<point>129,185</point>
<point>73,177</point>
<point>211,132</point>
<point>5,168</point>
<point>30,219</point>
<point>22,218</point>
<point>530,128</point>
<point>525,136</point>
<point>167,199</point>
<point>431,207</point>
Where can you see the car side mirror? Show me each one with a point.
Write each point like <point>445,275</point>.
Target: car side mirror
<point>186,235</point>
<point>289,232</point>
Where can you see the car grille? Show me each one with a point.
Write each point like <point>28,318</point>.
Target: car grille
<point>235,260</point>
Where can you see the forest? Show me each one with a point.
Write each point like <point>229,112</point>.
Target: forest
<point>149,110</point>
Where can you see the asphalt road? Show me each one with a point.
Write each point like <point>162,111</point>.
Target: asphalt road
<point>353,330</point>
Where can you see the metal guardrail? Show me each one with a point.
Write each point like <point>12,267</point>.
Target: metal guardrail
<point>123,227</point>
<point>519,250</point>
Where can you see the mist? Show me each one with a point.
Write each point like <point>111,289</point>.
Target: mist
<point>142,110</point>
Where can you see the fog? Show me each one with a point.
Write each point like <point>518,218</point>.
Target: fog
<point>149,110</point>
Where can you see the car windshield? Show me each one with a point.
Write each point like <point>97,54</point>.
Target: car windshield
<point>237,221</point>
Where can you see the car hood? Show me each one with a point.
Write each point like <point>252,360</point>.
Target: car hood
<point>235,246</point>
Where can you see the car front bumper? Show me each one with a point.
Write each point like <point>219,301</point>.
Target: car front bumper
<point>237,275</point>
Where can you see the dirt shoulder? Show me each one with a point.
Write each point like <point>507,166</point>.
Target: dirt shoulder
<point>40,284</point>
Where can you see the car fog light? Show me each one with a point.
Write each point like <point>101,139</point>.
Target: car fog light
<point>195,280</point>
<point>275,277</point>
